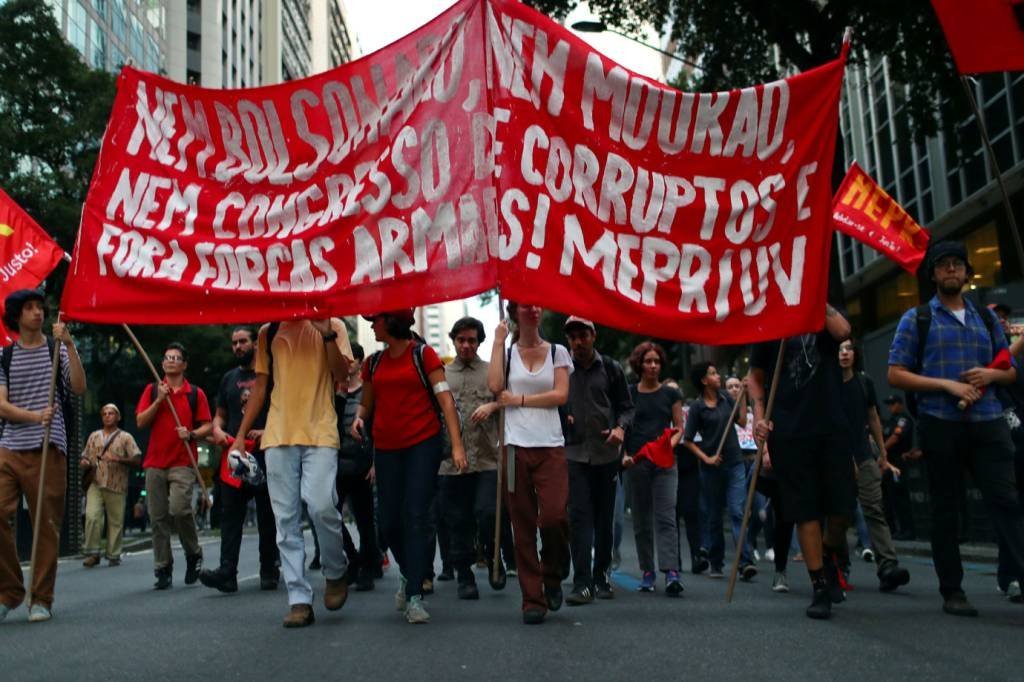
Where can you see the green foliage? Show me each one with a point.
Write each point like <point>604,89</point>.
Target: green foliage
<point>734,42</point>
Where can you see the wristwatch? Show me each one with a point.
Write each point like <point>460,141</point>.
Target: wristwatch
<point>330,337</point>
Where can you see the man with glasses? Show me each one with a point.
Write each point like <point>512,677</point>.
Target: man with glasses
<point>170,478</point>
<point>941,352</point>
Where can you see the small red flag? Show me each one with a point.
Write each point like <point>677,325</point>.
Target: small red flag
<point>863,210</point>
<point>984,35</point>
<point>27,254</point>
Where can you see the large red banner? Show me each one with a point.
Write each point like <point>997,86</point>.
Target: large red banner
<point>490,147</point>
<point>867,213</point>
<point>984,35</point>
<point>27,254</point>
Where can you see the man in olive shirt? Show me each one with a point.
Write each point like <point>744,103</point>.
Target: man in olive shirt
<point>468,499</point>
<point>599,411</point>
<point>305,359</point>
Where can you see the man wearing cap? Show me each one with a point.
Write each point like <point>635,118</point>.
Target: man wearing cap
<point>235,389</point>
<point>108,456</point>
<point>305,360</point>
<point>599,411</point>
<point>898,431</point>
<point>26,412</point>
<point>941,351</point>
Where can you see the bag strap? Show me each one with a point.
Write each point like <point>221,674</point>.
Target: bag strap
<point>192,397</point>
<point>417,361</point>
<point>375,362</point>
<point>923,314</point>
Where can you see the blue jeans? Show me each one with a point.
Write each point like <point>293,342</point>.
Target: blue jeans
<point>863,536</point>
<point>406,485</point>
<point>297,474</point>
<point>723,487</point>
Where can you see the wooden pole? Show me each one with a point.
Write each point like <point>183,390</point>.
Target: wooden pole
<point>38,520</point>
<point>994,166</point>
<point>757,469</point>
<point>732,419</point>
<point>174,412</point>
<point>495,565</point>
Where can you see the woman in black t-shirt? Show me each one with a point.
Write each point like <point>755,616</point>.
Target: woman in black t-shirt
<point>653,488</point>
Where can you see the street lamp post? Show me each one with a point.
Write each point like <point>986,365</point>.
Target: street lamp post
<point>601,27</point>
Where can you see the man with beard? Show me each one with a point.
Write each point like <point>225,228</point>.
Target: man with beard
<point>232,397</point>
<point>941,352</point>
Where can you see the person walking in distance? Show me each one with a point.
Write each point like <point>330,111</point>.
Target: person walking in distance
<point>170,477</point>
<point>941,352</point>
<point>534,384</point>
<point>235,493</point>
<point>109,456</point>
<point>600,411</point>
<point>304,360</point>
<point>25,375</point>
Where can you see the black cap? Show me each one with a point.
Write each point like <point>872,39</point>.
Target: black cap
<point>940,250</point>
<point>14,303</point>
<point>893,399</point>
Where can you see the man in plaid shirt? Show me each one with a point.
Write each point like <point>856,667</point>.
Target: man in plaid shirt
<point>951,367</point>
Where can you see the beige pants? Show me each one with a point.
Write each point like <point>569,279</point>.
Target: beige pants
<point>100,503</point>
<point>169,498</point>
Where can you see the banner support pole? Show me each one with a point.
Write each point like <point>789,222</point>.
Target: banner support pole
<point>495,571</point>
<point>754,473</point>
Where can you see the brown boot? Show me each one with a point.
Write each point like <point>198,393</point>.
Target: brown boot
<point>299,616</point>
<point>335,594</point>
<point>91,561</point>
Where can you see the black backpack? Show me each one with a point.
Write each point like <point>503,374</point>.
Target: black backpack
<point>67,405</point>
<point>193,398</point>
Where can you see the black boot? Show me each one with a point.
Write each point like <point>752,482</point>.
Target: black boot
<point>222,579</point>
<point>892,576</point>
<point>821,602</point>
<point>193,564</point>
<point>163,578</point>
<point>467,585</point>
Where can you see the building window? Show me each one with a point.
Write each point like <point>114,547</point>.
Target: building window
<point>117,20</point>
<point>896,296</point>
<point>983,252</point>
<point>77,25</point>
<point>97,46</point>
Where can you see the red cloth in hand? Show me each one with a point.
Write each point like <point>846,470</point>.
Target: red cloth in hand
<point>659,451</point>
<point>226,475</point>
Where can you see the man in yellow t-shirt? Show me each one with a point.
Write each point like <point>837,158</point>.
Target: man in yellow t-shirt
<point>304,359</point>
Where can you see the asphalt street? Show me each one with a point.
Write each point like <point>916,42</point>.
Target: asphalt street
<point>110,625</point>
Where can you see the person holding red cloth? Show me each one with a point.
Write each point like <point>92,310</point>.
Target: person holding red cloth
<point>170,478</point>
<point>405,392</point>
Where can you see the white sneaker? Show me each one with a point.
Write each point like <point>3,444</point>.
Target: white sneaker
<point>757,556</point>
<point>415,613</point>
<point>4,610</point>
<point>769,554</point>
<point>400,595</point>
<point>779,582</point>
<point>868,555</point>
<point>1013,593</point>
<point>37,613</point>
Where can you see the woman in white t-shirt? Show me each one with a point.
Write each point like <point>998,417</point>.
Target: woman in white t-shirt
<point>537,374</point>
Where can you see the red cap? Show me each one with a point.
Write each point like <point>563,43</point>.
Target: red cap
<point>404,314</point>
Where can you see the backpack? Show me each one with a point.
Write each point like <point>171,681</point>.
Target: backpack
<point>563,410</point>
<point>923,318</point>
<point>193,398</point>
<point>417,361</point>
<point>67,406</point>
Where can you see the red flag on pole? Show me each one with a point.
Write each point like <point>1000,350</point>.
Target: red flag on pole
<point>27,254</point>
<point>864,211</point>
<point>984,35</point>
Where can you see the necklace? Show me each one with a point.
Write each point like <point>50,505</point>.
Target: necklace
<point>525,347</point>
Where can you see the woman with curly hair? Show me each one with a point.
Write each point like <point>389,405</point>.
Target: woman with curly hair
<point>652,486</point>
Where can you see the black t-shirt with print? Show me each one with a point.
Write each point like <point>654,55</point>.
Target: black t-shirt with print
<point>235,388</point>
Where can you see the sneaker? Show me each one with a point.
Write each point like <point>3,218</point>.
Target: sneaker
<point>1013,592</point>
<point>603,590</point>
<point>415,613</point>
<point>269,580</point>
<point>533,616</point>
<point>364,583</point>
<point>892,577</point>
<point>673,587</point>
<point>647,582</point>
<point>219,580</point>
<point>163,578</point>
<point>91,561</point>
<point>716,573</point>
<point>400,595</point>
<point>299,616</point>
<point>780,583</point>
<point>446,575</point>
<point>821,605</point>
<point>868,555</point>
<point>554,597</point>
<point>748,572</point>
<point>798,557</point>
<point>956,604</point>
<point>467,585</point>
<point>757,556</point>
<point>769,555</point>
<point>700,563</point>
<point>114,562</point>
<point>335,593</point>
<point>37,613</point>
<point>580,596</point>
<point>193,564</point>
<point>512,572</point>
<point>616,559</point>
<point>427,586</point>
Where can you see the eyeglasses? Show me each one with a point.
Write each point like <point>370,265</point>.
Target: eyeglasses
<point>950,262</point>
<point>173,358</point>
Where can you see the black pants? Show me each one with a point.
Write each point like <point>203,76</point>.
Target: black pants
<point>467,512</point>
<point>439,540</point>
<point>986,450</point>
<point>688,504</point>
<point>896,497</point>
<point>359,493</point>
<point>234,506</point>
<point>591,516</point>
<point>782,530</point>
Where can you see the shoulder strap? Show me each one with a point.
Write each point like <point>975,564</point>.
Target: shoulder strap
<point>989,317</point>
<point>417,361</point>
<point>193,400</point>
<point>5,360</point>
<point>374,362</point>
<point>923,314</point>
<point>508,363</point>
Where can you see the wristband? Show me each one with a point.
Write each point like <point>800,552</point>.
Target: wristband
<point>441,387</point>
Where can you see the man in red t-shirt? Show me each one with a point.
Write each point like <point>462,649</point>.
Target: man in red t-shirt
<point>170,478</point>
